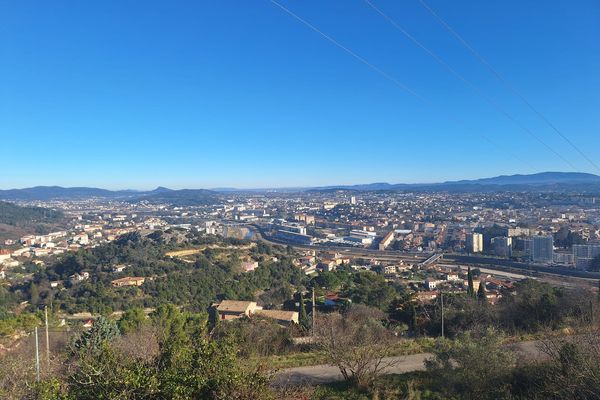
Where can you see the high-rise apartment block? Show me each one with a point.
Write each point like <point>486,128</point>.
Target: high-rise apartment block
<point>474,243</point>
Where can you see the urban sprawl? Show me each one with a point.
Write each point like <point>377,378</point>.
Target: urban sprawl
<point>427,240</point>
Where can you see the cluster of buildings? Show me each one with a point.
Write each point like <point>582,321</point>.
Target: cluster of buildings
<point>426,279</point>
<point>517,226</point>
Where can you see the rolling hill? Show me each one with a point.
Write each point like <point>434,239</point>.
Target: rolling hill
<point>158,195</point>
<point>543,181</point>
<point>11,214</point>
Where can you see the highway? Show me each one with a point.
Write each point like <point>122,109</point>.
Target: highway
<point>490,263</point>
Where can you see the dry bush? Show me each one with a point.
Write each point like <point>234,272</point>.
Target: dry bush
<point>356,342</point>
<point>141,344</point>
<point>574,367</point>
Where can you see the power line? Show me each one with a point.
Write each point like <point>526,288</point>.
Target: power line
<point>510,86</point>
<point>381,72</point>
<point>465,80</point>
<point>347,50</point>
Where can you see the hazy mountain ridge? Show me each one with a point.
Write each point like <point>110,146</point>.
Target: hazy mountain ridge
<point>542,178</point>
<point>55,192</point>
<point>160,194</point>
<point>538,181</point>
<point>543,181</point>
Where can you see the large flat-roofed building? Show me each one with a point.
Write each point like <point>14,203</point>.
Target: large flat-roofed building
<point>564,259</point>
<point>512,232</point>
<point>542,249</point>
<point>584,253</point>
<point>293,237</point>
<point>307,219</point>
<point>361,237</point>
<point>502,246</point>
<point>290,227</point>
<point>474,243</point>
<point>386,241</point>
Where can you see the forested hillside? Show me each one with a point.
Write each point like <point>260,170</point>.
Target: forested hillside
<point>214,273</point>
<point>11,214</point>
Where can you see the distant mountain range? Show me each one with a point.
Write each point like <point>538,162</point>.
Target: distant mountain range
<point>542,178</point>
<point>539,181</point>
<point>544,181</point>
<point>158,195</point>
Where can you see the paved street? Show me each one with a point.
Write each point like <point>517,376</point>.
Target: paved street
<point>318,374</point>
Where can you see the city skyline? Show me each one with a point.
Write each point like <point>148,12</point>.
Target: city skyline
<point>248,96</point>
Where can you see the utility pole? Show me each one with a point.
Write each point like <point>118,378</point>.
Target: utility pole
<point>47,338</point>
<point>37,357</point>
<point>314,309</point>
<point>442,301</point>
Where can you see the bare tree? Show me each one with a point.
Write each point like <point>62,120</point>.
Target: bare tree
<point>17,367</point>
<point>141,344</point>
<point>574,367</point>
<point>357,343</point>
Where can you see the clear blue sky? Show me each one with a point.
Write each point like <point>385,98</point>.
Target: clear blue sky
<point>199,94</point>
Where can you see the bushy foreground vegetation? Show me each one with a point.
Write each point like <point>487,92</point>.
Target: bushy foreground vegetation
<point>183,351</point>
<point>175,354</point>
<point>478,365</point>
<point>170,356</point>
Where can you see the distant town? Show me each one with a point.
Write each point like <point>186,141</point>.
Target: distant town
<point>390,232</point>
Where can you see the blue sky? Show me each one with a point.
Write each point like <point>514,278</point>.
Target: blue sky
<point>132,94</point>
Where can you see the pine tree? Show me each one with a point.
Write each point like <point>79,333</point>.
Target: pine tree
<point>34,293</point>
<point>481,294</point>
<point>215,318</point>
<point>413,319</point>
<point>303,318</point>
<point>470,288</point>
<point>103,331</point>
